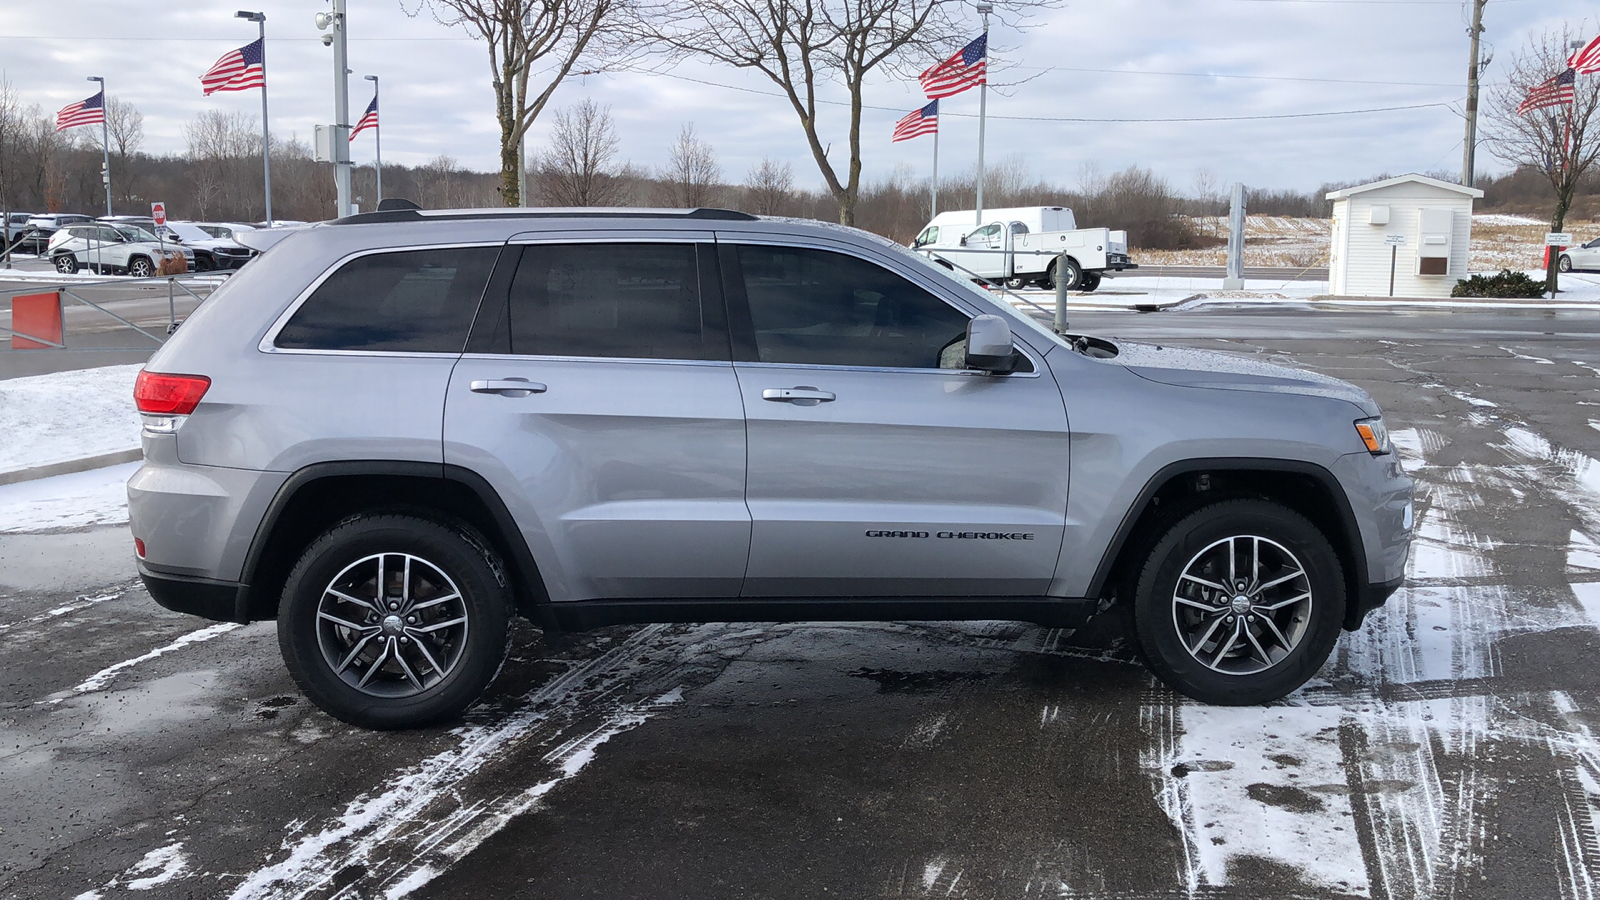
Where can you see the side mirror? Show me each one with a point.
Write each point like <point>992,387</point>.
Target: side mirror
<point>963,240</point>
<point>990,345</point>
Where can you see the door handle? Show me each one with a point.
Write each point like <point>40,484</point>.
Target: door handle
<point>804,395</point>
<point>508,387</point>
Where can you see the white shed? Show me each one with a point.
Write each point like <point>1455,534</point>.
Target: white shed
<point>1425,223</point>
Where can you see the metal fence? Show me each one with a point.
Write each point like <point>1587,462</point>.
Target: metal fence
<point>183,291</point>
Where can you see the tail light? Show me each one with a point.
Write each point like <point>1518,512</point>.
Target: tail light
<point>169,395</point>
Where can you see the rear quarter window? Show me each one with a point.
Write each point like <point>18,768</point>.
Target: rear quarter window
<point>416,301</point>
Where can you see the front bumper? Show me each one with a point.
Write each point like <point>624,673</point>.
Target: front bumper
<point>1368,598</point>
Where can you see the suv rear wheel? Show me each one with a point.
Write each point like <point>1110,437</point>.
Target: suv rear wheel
<point>1240,602</point>
<point>66,263</point>
<point>394,621</point>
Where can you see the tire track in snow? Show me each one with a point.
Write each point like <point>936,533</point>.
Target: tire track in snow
<point>426,818</point>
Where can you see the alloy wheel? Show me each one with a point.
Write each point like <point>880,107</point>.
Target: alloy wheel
<point>392,625</point>
<point>1242,604</point>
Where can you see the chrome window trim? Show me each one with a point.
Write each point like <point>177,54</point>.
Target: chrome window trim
<point>268,342</point>
<point>525,357</point>
<point>962,372</point>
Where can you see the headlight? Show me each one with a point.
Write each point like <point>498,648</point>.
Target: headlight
<point>1374,435</point>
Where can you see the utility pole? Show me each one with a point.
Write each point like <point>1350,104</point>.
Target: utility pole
<point>1469,149</point>
<point>341,103</point>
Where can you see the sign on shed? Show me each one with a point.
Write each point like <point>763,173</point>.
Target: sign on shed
<point>1394,240</point>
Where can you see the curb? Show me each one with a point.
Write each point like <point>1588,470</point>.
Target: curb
<point>71,466</point>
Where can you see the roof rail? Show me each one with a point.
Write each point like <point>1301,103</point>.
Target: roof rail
<point>419,215</point>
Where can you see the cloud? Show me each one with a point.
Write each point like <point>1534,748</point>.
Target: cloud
<point>1086,60</point>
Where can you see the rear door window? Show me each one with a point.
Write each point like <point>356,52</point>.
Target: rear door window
<point>612,300</point>
<point>418,301</point>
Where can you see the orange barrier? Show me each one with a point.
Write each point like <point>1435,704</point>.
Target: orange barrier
<point>36,315</point>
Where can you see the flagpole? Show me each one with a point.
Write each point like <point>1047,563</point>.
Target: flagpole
<point>935,172</point>
<point>105,139</point>
<point>377,139</point>
<point>260,18</point>
<point>983,102</point>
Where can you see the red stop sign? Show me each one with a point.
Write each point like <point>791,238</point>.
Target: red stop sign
<point>158,211</point>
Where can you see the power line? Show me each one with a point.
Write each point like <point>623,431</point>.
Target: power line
<point>1308,115</point>
<point>1385,83</point>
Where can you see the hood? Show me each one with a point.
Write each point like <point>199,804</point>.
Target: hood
<point>1224,371</point>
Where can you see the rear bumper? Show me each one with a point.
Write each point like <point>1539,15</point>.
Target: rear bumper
<point>222,601</point>
<point>1118,262</point>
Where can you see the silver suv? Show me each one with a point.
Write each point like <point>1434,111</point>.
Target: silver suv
<point>396,430</point>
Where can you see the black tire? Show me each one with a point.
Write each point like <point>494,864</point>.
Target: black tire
<point>402,693</point>
<point>140,267</point>
<point>1190,546</point>
<point>1091,280</point>
<point>1017,284</point>
<point>66,263</point>
<point>1565,263</point>
<point>203,263</point>
<point>1073,274</point>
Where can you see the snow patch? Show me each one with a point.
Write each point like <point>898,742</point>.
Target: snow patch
<point>100,679</point>
<point>164,864</point>
<point>67,415</point>
<point>78,500</point>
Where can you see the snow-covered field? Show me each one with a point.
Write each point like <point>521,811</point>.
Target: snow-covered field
<point>1499,241</point>
<point>96,497</point>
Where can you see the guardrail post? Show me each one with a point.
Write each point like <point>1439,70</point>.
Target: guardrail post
<point>1061,294</point>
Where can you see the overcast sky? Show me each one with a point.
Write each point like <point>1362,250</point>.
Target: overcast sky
<point>1091,59</point>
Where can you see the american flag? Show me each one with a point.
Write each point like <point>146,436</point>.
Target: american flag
<point>85,112</point>
<point>917,123</point>
<point>1587,60</point>
<point>237,70</point>
<point>369,119</point>
<point>1554,92</point>
<point>959,72</point>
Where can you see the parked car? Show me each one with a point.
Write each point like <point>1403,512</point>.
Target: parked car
<point>1582,257</point>
<point>228,230</point>
<point>44,225</point>
<point>210,253</point>
<point>109,249</point>
<point>650,416</point>
<point>16,223</point>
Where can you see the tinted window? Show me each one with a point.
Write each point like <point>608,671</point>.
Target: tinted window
<point>416,300</point>
<point>639,301</point>
<point>823,308</point>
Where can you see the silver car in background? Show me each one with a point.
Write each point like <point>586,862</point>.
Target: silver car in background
<point>394,431</point>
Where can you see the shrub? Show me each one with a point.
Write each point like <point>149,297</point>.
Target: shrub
<point>1507,284</point>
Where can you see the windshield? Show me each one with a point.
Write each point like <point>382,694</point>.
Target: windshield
<point>135,233</point>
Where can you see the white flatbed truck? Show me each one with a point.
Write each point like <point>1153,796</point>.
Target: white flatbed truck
<point>1022,246</point>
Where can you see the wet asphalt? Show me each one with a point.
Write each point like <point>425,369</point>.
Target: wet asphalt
<point>1449,749</point>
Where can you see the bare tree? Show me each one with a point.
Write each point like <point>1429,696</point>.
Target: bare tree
<point>1554,140</point>
<point>690,177</point>
<point>521,34</point>
<point>576,169</point>
<point>11,134</point>
<point>806,47</point>
<point>769,188</point>
<point>125,127</point>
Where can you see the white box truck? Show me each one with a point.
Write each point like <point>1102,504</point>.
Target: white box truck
<point>1022,245</point>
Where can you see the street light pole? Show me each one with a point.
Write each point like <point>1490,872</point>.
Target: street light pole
<point>105,139</point>
<point>377,139</point>
<point>260,18</point>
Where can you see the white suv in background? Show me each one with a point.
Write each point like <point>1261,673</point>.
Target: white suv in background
<point>108,249</point>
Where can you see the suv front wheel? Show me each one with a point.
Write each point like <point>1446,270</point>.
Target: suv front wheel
<point>1239,603</point>
<point>394,621</point>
